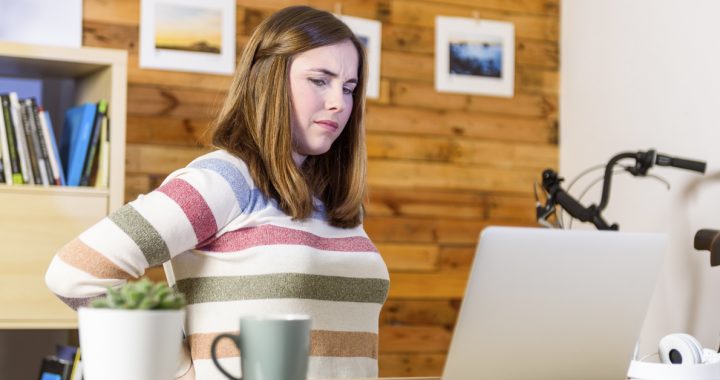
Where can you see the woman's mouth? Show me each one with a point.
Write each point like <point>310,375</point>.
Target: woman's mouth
<point>328,124</point>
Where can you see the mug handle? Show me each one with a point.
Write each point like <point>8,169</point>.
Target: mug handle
<point>215,341</point>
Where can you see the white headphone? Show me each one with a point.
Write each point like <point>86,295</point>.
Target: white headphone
<point>685,349</point>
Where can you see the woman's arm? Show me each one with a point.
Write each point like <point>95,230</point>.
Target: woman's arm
<point>191,206</point>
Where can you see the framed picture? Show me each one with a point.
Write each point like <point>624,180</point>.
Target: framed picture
<point>188,35</point>
<point>369,33</point>
<point>474,56</point>
<point>42,22</point>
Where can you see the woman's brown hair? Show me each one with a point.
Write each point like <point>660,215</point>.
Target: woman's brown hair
<point>254,123</point>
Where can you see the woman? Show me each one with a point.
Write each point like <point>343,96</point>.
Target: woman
<point>271,221</point>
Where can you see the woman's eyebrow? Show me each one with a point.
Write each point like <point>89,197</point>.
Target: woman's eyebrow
<point>334,75</point>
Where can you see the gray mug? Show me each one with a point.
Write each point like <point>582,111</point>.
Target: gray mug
<point>274,347</point>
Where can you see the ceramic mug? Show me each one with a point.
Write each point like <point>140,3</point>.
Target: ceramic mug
<point>272,347</point>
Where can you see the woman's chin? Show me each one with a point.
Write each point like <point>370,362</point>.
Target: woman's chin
<point>316,151</point>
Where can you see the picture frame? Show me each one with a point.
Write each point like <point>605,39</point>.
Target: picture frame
<point>42,22</point>
<point>188,35</point>
<point>474,56</point>
<point>369,32</point>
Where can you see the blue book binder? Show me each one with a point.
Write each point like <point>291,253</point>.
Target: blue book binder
<point>79,122</point>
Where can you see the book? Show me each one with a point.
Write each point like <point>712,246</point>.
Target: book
<point>76,372</point>
<point>33,147</point>
<point>69,355</point>
<point>17,177</point>
<point>6,172</point>
<point>49,142</point>
<point>22,146</point>
<point>79,122</point>
<point>102,179</point>
<point>90,161</point>
<point>38,138</point>
<point>54,368</point>
<point>51,146</point>
<point>2,169</point>
<point>41,140</point>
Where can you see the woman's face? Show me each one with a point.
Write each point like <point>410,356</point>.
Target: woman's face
<point>322,82</point>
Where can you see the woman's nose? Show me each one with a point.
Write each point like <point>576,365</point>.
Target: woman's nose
<point>334,100</point>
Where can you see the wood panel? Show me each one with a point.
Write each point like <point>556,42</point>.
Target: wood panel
<point>358,8</point>
<point>161,101</point>
<point>112,11</point>
<point>508,119</point>
<point>542,7</point>
<point>423,95</point>
<point>440,285</point>
<point>428,230</point>
<point>409,175</point>
<point>136,184</point>
<point>405,257</point>
<point>458,257</point>
<point>414,338</point>
<point>491,206</point>
<point>443,166</point>
<point>163,130</point>
<point>534,105</point>
<point>498,127</point>
<point>420,312</point>
<point>155,159</point>
<point>421,13</point>
<point>410,364</point>
<point>412,66</point>
<point>461,150</point>
<point>430,209</point>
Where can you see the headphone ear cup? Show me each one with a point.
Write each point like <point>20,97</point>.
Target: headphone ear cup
<point>680,349</point>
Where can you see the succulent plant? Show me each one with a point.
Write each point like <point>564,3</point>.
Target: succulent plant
<point>141,295</point>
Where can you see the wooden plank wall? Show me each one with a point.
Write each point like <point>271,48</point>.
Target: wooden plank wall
<point>442,166</point>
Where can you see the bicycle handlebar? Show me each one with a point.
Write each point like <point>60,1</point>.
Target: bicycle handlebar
<point>643,162</point>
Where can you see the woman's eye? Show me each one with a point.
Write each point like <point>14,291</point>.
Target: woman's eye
<point>317,82</point>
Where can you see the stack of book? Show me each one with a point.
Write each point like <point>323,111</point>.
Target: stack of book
<point>29,153</point>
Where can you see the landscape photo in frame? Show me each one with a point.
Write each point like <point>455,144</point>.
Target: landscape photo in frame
<point>186,35</point>
<point>474,56</point>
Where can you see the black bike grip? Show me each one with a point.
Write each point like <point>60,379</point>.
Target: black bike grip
<point>698,166</point>
<point>707,240</point>
<point>682,163</point>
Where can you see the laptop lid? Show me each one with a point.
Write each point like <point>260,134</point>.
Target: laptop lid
<point>554,304</point>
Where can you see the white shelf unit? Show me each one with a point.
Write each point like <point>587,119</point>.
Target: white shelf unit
<point>35,221</point>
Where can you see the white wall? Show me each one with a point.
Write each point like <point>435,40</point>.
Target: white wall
<point>639,74</point>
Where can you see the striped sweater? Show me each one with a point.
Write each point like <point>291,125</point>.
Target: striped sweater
<point>233,253</point>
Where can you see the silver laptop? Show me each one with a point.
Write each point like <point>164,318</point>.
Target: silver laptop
<point>554,304</point>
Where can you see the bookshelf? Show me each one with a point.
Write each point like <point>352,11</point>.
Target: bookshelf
<point>35,221</point>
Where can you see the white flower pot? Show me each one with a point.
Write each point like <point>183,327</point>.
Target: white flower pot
<point>130,344</point>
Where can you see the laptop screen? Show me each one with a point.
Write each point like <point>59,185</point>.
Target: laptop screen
<point>554,304</point>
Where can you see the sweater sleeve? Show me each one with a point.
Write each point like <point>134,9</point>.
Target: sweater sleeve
<point>188,209</point>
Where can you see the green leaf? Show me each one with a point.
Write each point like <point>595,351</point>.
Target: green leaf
<point>142,295</point>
